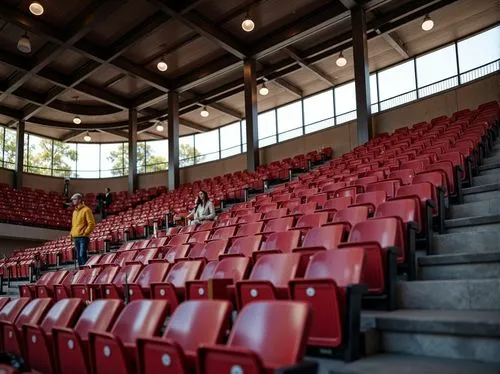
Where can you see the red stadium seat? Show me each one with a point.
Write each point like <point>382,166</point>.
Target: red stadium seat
<point>249,218</point>
<point>248,229</point>
<point>278,225</point>
<point>84,276</point>
<point>404,175</point>
<point>115,352</point>
<point>322,238</point>
<point>257,345</point>
<point>210,251</point>
<point>332,285</point>
<point>175,352</point>
<point>38,338</point>
<point>139,289</point>
<point>92,290</point>
<point>223,233</point>
<point>279,242</point>
<point>351,216</point>
<point>244,246</point>
<point>199,237</point>
<point>388,186</point>
<point>71,346</point>
<point>11,310</point>
<point>206,226</point>
<point>176,252</point>
<point>371,200</point>
<point>179,239</point>
<point>302,209</point>
<point>144,256</point>
<point>126,274</point>
<point>319,199</point>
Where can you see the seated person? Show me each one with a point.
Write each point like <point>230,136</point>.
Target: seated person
<point>203,211</point>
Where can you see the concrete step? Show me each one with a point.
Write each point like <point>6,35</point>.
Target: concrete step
<point>458,334</point>
<point>493,159</point>
<point>486,240</point>
<point>493,165</point>
<point>460,294</point>
<point>485,265</point>
<point>404,364</point>
<point>491,171</point>
<point>476,208</point>
<point>493,187</point>
<point>486,179</point>
<point>476,223</point>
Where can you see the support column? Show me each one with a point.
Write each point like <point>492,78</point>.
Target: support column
<point>253,159</point>
<point>132,150</point>
<point>18,183</point>
<point>173,140</point>
<point>361,75</point>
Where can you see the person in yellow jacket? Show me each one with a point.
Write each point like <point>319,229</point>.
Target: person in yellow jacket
<point>82,225</point>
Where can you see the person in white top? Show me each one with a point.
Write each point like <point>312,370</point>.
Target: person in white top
<point>203,211</point>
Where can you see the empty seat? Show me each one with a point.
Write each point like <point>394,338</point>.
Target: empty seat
<point>331,285</point>
<point>266,336</point>
<point>388,186</point>
<point>126,274</point>
<point>47,290</point>
<point>38,339</point>
<point>278,225</point>
<point>350,216</point>
<point>255,216</point>
<point>126,256</point>
<point>11,310</point>
<point>71,346</point>
<point>276,213</point>
<point>92,290</point>
<point>404,175</point>
<point>179,239</point>
<point>269,278</point>
<point>144,256</point>
<point>115,352</point>
<point>175,252</point>
<point>199,237</point>
<point>173,287</point>
<point>309,221</point>
<point>206,226</point>
<point>140,288</point>
<point>210,251</point>
<point>322,238</point>
<point>280,242</point>
<point>370,199</point>
<point>319,199</point>
<point>83,276</point>
<point>302,209</point>
<point>223,233</point>
<point>208,321</point>
<point>247,229</point>
<point>244,246</point>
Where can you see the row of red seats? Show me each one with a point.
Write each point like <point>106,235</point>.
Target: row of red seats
<point>107,336</point>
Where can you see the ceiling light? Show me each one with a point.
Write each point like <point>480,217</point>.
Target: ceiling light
<point>77,120</point>
<point>87,137</point>
<point>24,44</point>
<point>36,9</point>
<point>248,24</point>
<point>341,60</point>
<point>428,23</point>
<point>162,65</point>
<point>204,112</point>
<point>159,127</point>
<point>263,90</point>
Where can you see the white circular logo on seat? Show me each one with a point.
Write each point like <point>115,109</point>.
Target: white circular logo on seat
<point>162,292</point>
<point>253,293</point>
<point>108,292</point>
<point>107,351</point>
<point>130,292</point>
<point>236,369</point>
<point>59,292</point>
<point>83,292</point>
<point>33,339</point>
<point>166,360</point>
<point>310,292</point>
<point>201,291</point>
<point>71,344</point>
<point>10,334</point>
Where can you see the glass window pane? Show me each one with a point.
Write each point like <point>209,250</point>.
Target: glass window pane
<point>9,151</point>
<point>113,163</point>
<point>156,155</point>
<point>345,102</point>
<point>187,153</point>
<point>267,128</point>
<point>318,107</point>
<point>64,163</point>
<point>290,121</point>
<point>480,52</point>
<point>88,160</point>
<point>436,71</point>
<point>207,144</point>
<point>230,139</point>
<point>40,155</point>
<point>2,137</point>
<point>373,89</point>
<point>141,157</point>
<point>397,85</point>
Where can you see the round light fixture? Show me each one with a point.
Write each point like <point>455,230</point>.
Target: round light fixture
<point>24,44</point>
<point>248,24</point>
<point>263,91</point>
<point>36,8</point>
<point>341,60</point>
<point>204,112</point>
<point>162,65</point>
<point>159,127</point>
<point>87,137</point>
<point>428,23</point>
<point>77,120</point>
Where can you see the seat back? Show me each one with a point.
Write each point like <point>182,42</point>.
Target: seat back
<point>208,270</point>
<point>223,233</point>
<point>184,271</point>
<point>424,191</point>
<point>276,330</point>
<point>276,213</point>
<point>210,250</point>
<point>226,222</point>
<point>141,244</point>
<point>107,275</point>
<point>99,315</point>
<point>319,199</point>
<point>199,237</point>
<point>85,276</point>
<point>33,312</point>
<point>188,229</point>
<point>107,258</point>
<point>158,242</point>
<point>405,175</point>
<point>345,266</point>
<point>291,204</point>
<point>64,313</point>
<point>436,178</point>
<point>374,197</point>
<point>276,268</point>
<point>93,260</point>
<point>254,217</point>
<point>326,236</point>
<point>388,186</point>
<point>140,318</point>
<point>347,192</point>
<point>279,224</point>
<point>127,274</point>
<point>179,239</point>
<point>152,273</point>
<point>351,215</point>
<point>58,276</point>
<point>199,322</point>
<point>284,241</point>
<point>145,255</point>
<point>125,256</point>
<point>206,226</point>
<point>235,268</point>
<point>312,220</point>
<point>175,252</point>
<point>406,209</point>
<point>245,245</point>
<point>306,208</point>
<point>384,231</point>
<point>249,229</point>
<point>338,203</point>
<point>12,309</point>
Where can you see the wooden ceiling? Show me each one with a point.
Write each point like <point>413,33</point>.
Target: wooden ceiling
<point>104,53</point>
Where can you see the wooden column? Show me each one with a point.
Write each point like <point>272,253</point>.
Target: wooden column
<point>253,159</point>
<point>132,150</point>
<point>173,140</point>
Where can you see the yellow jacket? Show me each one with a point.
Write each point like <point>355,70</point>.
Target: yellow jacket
<point>83,221</point>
